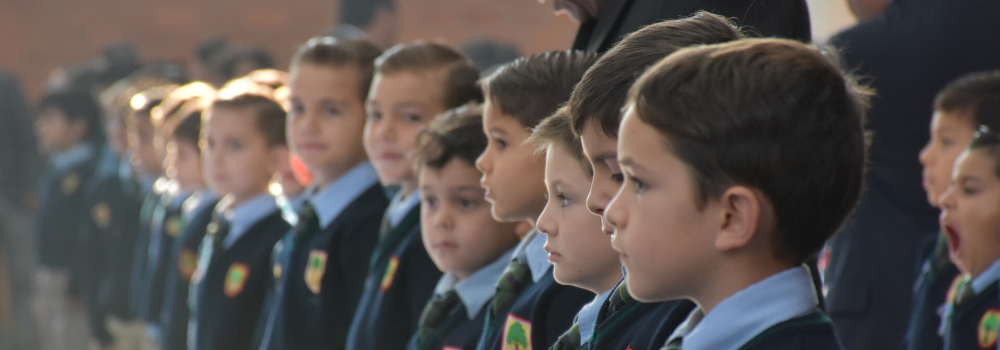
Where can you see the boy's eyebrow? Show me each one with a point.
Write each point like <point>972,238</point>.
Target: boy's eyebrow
<point>467,188</point>
<point>407,104</point>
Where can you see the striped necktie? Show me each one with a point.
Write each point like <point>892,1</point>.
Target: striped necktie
<point>435,313</point>
<point>219,229</point>
<point>308,221</point>
<point>569,340</point>
<point>513,281</point>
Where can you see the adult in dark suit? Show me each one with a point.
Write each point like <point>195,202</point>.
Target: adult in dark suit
<point>604,22</point>
<point>910,51</point>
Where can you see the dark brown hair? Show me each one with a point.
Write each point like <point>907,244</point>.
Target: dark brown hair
<point>330,52</point>
<point>270,117</point>
<point>460,74</point>
<point>533,87</point>
<point>603,89</point>
<point>185,124</point>
<point>965,94</point>
<point>556,130</point>
<point>456,133</point>
<point>772,114</point>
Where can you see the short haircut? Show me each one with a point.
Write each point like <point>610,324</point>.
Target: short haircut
<point>533,87</point>
<point>333,53</point>
<point>988,140</point>
<point>556,130</point>
<point>456,133</point>
<point>965,94</point>
<point>185,125</point>
<point>420,56</point>
<point>76,106</point>
<point>602,91</point>
<point>270,117</point>
<point>772,114</point>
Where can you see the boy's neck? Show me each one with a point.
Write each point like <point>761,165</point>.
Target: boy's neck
<point>406,188</point>
<point>327,176</point>
<point>735,275</point>
<point>239,199</point>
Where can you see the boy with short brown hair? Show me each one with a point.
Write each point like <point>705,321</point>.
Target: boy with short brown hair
<point>740,160</point>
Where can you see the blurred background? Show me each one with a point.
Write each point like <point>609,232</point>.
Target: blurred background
<point>41,35</point>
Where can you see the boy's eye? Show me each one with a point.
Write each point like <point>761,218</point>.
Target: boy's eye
<point>430,202</point>
<point>618,178</point>
<point>411,118</point>
<point>946,142</point>
<point>564,200</point>
<point>331,110</point>
<point>467,203</point>
<point>297,108</point>
<point>375,115</point>
<point>234,145</point>
<point>501,144</point>
<point>639,185</point>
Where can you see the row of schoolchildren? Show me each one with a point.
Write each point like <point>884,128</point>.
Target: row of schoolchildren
<point>717,164</point>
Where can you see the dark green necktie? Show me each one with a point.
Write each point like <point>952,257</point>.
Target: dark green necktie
<point>385,228</point>
<point>308,222</point>
<point>219,229</point>
<point>569,340</point>
<point>965,291</point>
<point>619,298</point>
<point>435,313</point>
<point>673,344</point>
<point>510,285</point>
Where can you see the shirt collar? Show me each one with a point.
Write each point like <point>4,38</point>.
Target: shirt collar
<point>749,312</point>
<point>243,217</point>
<point>586,319</point>
<point>176,196</point>
<point>198,200</point>
<point>986,278</point>
<point>399,206</point>
<point>476,290</point>
<point>534,252</point>
<point>333,199</point>
<point>67,159</point>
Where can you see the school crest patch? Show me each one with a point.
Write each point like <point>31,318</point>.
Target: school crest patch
<point>101,213</point>
<point>70,183</point>
<point>315,267</point>
<point>516,334</point>
<point>236,278</point>
<point>187,263</point>
<point>172,226</point>
<point>989,326</point>
<point>390,274</point>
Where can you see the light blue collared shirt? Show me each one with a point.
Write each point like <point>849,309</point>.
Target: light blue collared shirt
<point>243,217</point>
<point>73,156</point>
<point>586,319</point>
<point>532,249</point>
<point>476,290</point>
<point>333,199</point>
<point>399,207</point>
<point>986,278</point>
<point>749,312</point>
<point>177,195</point>
<point>199,199</point>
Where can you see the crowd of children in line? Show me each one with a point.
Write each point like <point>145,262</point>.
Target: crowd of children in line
<point>664,195</point>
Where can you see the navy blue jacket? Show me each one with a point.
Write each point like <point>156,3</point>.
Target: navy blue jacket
<point>401,279</point>
<point>183,262</point>
<point>546,310</point>
<point>109,234</point>
<point>226,313</point>
<point>318,316</point>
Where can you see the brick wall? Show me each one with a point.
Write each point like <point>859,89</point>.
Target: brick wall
<point>39,35</point>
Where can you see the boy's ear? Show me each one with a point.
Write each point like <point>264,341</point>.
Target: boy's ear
<point>741,209</point>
